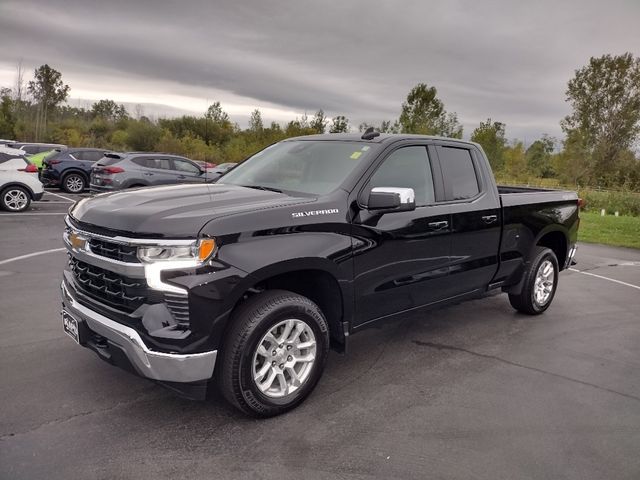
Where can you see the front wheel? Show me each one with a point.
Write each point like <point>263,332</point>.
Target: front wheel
<point>539,284</point>
<point>274,353</point>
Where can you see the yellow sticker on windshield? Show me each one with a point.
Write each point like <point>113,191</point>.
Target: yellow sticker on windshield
<point>356,155</point>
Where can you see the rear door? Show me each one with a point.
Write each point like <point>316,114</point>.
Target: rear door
<point>156,170</point>
<point>475,217</point>
<point>401,258</point>
<point>187,171</point>
<point>86,158</point>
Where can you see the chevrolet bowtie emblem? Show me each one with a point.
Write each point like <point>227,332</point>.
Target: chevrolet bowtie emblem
<point>77,241</point>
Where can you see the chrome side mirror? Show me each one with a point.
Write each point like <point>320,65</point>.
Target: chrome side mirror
<point>392,199</point>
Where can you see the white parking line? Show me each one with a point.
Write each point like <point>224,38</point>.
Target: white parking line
<point>61,196</point>
<point>34,254</point>
<point>606,278</point>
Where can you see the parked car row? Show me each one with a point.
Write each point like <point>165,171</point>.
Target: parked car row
<point>75,170</point>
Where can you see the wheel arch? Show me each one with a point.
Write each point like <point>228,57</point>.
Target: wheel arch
<point>314,278</point>
<point>557,240</point>
<point>18,184</point>
<point>68,171</point>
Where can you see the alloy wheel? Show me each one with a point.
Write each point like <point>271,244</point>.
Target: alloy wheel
<point>15,200</point>
<point>74,183</point>
<point>284,358</point>
<point>544,283</point>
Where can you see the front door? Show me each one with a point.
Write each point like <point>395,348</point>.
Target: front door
<point>187,172</point>
<point>400,258</point>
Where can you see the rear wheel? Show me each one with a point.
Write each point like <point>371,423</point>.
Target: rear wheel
<point>73,183</point>
<point>15,199</point>
<point>274,353</point>
<point>539,285</point>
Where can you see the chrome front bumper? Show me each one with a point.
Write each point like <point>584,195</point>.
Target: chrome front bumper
<point>168,367</point>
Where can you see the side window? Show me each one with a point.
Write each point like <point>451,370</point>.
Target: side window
<point>162,163</point>
<point>149,162</point>
<point>79,155</point>
<point>91,156</point>
<point>459,173</point>
<point>407,167</point>
<point>185,166</point>
<point>144,162</point>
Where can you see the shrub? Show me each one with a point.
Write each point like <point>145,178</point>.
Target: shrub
<point>627,203</point>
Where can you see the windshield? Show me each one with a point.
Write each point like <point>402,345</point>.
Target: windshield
<point>306,166</point>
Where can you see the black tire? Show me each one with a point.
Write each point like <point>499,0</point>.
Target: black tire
<point>526,301</point>
<point>251,321</point>
<point>73,183</point>
<point>15,199</point>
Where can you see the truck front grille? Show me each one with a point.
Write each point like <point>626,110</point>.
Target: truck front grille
<point>123,293</point>
<point>114,251</point>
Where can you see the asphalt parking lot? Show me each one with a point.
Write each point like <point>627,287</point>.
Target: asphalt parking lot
<point>472,391</point>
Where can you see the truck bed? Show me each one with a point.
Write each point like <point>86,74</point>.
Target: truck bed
<point>513,196</point>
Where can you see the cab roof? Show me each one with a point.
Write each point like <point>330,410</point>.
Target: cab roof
<point>383,138</point>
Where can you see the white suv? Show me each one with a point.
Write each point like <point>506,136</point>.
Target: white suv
<point>19,182</point>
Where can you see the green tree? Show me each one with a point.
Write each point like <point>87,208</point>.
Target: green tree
<point>386,126</point>
<point>48,90</point>
<point>319,122</point>
<point>339,124</point>
<point>143,135</point>
<point>573,163</point>
<point>7,119</point>
<point>255,122</point>
<point>218,128</point>
<point>515,163</point>
<point>423,112</point>
<point>491,136</point>
<point>109,110</point>
<point>216,114</point>
<point>605,98</point>
<point>539,156</point>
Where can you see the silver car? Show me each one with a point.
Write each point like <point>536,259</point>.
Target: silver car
<point>117,171</point>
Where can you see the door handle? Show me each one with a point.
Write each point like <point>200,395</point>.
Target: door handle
<point>181,176</point>
<point>489,218</point>
<point>438,225</point>
<point>148,174</point>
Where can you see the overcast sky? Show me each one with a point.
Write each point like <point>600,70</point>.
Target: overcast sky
<point>506,60</point>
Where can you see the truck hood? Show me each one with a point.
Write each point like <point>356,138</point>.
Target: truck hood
<point>175,211</point>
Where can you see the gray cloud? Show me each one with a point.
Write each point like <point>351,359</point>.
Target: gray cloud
<point>498,59</point>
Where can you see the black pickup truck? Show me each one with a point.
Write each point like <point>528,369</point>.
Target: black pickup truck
<point>249,282</point>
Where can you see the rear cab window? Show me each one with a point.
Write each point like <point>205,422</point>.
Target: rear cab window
<point>459,172</point>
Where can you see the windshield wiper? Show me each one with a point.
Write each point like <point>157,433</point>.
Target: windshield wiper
<point>262,187</point>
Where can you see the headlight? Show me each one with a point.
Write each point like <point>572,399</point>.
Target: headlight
<point>198,253</point>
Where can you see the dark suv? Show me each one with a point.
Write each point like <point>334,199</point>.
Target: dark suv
<point>70,169</point>
<point>117,171</point>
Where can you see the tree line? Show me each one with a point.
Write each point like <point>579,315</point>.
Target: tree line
<point>599,147</point>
